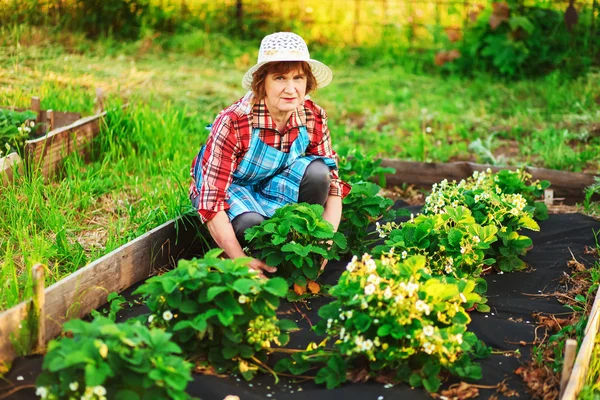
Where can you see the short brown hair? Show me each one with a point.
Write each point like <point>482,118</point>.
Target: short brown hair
<point>281,67</point>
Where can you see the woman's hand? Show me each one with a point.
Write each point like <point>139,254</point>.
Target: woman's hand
<point>261,266</point>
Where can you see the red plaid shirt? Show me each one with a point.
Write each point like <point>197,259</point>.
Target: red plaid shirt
<point>229,139</point>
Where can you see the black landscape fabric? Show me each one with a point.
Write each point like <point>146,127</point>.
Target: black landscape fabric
<point>512,298</point>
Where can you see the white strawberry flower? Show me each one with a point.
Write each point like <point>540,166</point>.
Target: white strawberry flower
<point>369,289</point>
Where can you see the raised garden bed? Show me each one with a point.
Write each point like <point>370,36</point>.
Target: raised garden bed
<point>58,134</point>
<point>508,328</point>
<point>567,186</point>
<point>510,309</point>
<point>87,288</point>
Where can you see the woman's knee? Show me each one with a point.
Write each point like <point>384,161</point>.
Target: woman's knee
<point>243,222</point>
<point>314,186</point>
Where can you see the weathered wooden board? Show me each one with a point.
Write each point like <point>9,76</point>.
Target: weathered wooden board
<point>87,289</point>
<point>567,185</point>
<point>48,152</point>
<point>582,362</point>
<point>8,165</point>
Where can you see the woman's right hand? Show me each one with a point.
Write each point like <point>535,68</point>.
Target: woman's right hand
<point>260,267</point>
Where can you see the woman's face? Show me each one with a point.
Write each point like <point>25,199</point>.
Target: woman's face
<point>285,92</point>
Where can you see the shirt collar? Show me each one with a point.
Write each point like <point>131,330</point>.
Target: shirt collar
<point>261,118</point>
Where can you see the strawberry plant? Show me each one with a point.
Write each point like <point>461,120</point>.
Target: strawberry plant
<point>15,128</point>
<point>453,242</point>
<point>393,320</point>
<point>490,205</point>
<point>361,207</point>
<point>104,360</point>
<point>296,240</point>
<point>356,167</point>
<point>220,310</point>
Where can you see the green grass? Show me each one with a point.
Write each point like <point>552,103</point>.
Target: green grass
<point>176,85</point>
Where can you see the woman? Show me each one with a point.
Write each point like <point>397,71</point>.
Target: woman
<point>270,148</point>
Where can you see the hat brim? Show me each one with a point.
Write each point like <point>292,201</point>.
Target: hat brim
<point>321,72</point>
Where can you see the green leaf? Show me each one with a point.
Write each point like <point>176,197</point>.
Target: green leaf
<point>274,259</point>
<point>384,330</point>
<point>454,237</point>
<point>461,318</point>
<point>246,351</point>
<point>483,308</point>
<point>334,374</point>
<point>523,22</point>
<point>230,351</point>
<point>311,272</point>
<point>362,322</point>
<point>225,317</point>
<point>244,285</point>
<point>276,286</point>
<point>431,384</point>
<point>340,240</point>
<point>215,291</point>
<point>127,394</point>
<point>189,307</point>
<point>296,248</point>
<point>529,223</point>
<point>301,281</point>
<point>227,302</point>
<point>287,325</point>
<point>168,283</point>
<point>415,380</point>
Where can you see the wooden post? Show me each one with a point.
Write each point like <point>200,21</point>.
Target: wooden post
<point>99,100</point>
<point>50,115</point>
<point>35,106</point>
<point>569,359</point>
<point>548,197</point>
<point>39,301</point>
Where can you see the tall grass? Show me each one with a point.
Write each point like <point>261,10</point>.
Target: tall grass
<point>138,182</point>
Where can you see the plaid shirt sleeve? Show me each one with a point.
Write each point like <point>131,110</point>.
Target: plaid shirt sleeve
<point>320,144</point>
<point>218,164</point>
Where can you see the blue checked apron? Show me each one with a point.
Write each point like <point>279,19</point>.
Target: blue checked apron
<point>266,179</point>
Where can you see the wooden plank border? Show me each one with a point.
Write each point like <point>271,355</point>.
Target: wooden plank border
<point>582,362</point>
<point>86,289</point>
<point>567,185</point>
<point>48,152</point>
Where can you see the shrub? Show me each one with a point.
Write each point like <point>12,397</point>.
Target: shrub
<point>394,321</point>
<point>513,40</point>
<point>357,167</point>
<point>361,208</point>
<point>220,310</point>
<point>504,201</point>
<point>102,359</point>
<point>15,128</point>
<point>296,240</point>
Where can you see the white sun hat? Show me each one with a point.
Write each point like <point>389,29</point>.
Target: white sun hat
<point>287,46</point>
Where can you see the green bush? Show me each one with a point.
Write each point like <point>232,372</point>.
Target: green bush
<point>102,359</point>
<point>517,41</point>
<point>361,207</point>
<point>220,310</point>
<point>393,320</point>
<point>296,240</point>
<point>15,128</point>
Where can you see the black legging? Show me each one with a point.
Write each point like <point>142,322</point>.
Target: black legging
<point>314,189</point>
